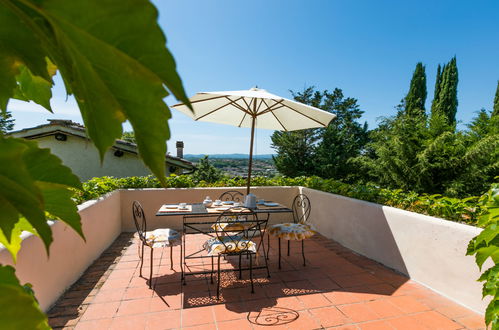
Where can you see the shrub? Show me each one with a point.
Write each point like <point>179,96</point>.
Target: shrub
<point>466,210</point>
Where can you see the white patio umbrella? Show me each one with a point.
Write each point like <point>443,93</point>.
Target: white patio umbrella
<point>255,108</point>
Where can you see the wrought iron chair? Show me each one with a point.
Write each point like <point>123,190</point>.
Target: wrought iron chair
<point>232,196</point>
<point>153,239</point>
<point>234,232</point>
<point>298,230</point>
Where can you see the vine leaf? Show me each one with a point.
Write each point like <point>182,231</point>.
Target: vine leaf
<point>12,296</point>
<point>32,181</point>
<point>117,67</point>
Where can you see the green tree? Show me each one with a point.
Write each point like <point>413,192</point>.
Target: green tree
<point>445,99</point>
<point>416,97</point>
<point>343,140</point>
<point>495,109</point>
<point>206,171</point>
<point>6,122</point>
<point>129,137</point>
<point>112,79</point>
<point>323,151</point>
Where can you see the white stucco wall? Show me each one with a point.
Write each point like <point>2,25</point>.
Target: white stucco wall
<point>429,250</point>
<point>83,158</point>
<point>70,255</point>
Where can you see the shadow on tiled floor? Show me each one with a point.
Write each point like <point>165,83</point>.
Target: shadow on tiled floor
<point>337,288</point>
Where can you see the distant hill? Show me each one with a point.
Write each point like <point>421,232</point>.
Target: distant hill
<point>228,156</point>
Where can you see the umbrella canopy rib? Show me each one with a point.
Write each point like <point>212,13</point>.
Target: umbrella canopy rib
<point>304,115</point>
<point>237,105</point>
<point>283,127</point>
<point>215,110</point>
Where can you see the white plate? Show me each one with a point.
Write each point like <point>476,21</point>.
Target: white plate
<point>170,206</point>
<point>271,204</point>
<point>228,203</point>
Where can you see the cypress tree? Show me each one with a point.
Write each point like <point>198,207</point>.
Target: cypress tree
<point>416,97</point>
<point>445,101</point>
<point>495,110</point>
<point>438,83</point>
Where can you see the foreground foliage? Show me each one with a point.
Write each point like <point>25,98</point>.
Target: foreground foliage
<point>465,210</point>
<point>485,246</point>
<point>113,79</point>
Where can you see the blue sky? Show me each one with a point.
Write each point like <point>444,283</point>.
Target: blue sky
<point>367,48</point>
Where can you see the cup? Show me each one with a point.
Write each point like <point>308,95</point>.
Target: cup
<point>261,201</point>
<point>218,202</point>
<point>182,205</point>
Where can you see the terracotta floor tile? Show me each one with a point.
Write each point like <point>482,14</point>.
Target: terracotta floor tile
<point>208,326</point>
<point>100,311</point>
<point>474,321</point>
<point>242,324</point>
<point>197,316</point>
<point>408,304</point>
<point>345,297</point>
<point>406,323</point>
<point>356,280</point>
<point>163,320</point>
<point>453,311</point>
<point>133,322</point>
<point>109,295</point>
<point>94,324</point>
<point>136,306</point>
<point>434,320</point>
<point>337,289</point>
<point>290,302</point>
<point>376,325</point>
<point>305,320</point>
<point>316,300</point>
<point>159,304</point>
<point>384,309</point>
<point>227,312</point>
<point>329,316</point>
<point>115,283</point>
<point>359,312</point>
<point>137,293</point>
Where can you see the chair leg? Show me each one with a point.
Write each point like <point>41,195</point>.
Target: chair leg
<point>218,279</point>
<point>171,257</point>
<point>289,241</point>
<point>251,272</point>
<point>181,266</point>
<point>268,246</point>
<point>240,271</point>
<point>279,242</point>
<point>212,266</point>
<point>141,257</point>
<point>150,272</point>
<point>303,252</point>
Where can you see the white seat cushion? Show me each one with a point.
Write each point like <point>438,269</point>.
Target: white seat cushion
<point>163,237</point>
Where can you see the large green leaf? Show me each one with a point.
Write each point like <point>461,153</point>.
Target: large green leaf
<point>18,45</point>
<point>13,243</point>
<point>113,58</point>
<point>32,181</point>
<point>18,307</point>
<point>34,88</point>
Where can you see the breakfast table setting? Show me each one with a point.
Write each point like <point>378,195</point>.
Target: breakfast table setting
<point>201,218</point>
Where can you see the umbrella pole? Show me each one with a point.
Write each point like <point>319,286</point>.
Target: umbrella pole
<point>250,163</point>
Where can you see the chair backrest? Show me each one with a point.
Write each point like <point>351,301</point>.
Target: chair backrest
<point>233,196</point>
<point>140,220</point>
<point>234,228</point>
<point>301,208</point>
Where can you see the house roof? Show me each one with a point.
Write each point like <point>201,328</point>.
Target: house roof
<point>75,129</point>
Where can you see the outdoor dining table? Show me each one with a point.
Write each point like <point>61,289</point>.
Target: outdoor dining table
<point>204,226</point>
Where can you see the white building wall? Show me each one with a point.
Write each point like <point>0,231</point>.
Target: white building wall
<point>83,158</point>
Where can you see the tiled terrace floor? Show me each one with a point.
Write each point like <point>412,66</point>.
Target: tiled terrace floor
<point>337,289</point>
